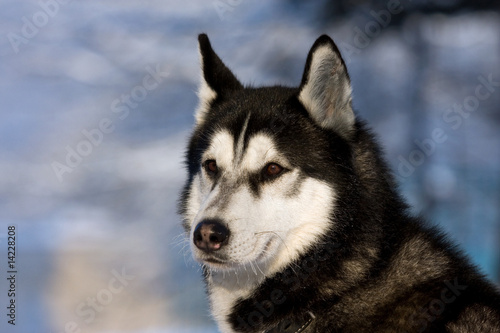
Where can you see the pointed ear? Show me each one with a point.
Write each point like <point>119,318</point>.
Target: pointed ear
<point>216,79</point>
<point>325,90</point>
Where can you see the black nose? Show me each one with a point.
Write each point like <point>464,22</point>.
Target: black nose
<point>210,235</point>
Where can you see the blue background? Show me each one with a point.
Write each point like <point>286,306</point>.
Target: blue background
<point>78,69</point>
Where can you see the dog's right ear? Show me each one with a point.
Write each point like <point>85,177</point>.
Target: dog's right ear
<point>216,79</point>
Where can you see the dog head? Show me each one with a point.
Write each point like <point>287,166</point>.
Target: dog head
<point>265,164</point>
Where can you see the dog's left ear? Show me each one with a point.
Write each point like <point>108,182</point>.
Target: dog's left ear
<point>325,90</point>
<point>216,79</point>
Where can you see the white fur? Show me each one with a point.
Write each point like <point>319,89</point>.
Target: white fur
<point>327,93</point>
<point>221,150</point>
<point>259,152</point>
<point>205,95</point>
<point>267,231</point>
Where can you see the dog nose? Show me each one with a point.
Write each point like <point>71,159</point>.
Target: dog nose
<point>210,235</point>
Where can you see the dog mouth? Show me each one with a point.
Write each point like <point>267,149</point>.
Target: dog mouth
<point>257,254</point>
<point>215,261</point>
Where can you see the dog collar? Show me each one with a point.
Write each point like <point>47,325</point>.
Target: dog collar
<point>287,326</point>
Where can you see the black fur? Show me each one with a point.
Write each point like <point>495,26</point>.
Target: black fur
<point>379,269</point>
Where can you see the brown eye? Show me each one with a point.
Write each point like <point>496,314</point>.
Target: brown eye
<point>211,166</point>
<point>273,169</point>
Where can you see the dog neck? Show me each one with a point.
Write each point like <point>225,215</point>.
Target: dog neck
<point>225,288</point>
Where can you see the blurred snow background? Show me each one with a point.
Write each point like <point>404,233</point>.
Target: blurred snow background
<point>97,103</point>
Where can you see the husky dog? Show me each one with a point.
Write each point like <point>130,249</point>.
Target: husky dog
<point>294,216</point>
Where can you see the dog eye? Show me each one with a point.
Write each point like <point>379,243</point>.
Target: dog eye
<point>211,166</point>
<point>273,170</point>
